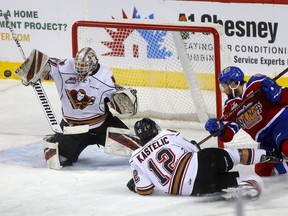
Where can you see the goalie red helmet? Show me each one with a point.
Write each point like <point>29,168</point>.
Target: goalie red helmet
<point>86,62</point>
<point>146,129</point>
<point>230,74</point>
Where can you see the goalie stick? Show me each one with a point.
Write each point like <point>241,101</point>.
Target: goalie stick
<point>38,88</point>
<point>258,92</point>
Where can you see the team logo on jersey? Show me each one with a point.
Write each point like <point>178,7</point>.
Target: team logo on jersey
<point>250,117</point>
<point>79,99</point>
<point>71,80</point>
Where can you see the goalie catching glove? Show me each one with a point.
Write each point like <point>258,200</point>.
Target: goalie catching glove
<point>131,185</point>
<point>125,101</point>
<point>34,68</point>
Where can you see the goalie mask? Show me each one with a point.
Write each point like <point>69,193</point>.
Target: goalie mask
<point>86,62</point>
<point>146,129</point>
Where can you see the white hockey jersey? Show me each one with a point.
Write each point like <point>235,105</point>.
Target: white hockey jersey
<point>82,102</point>
<point>166,162</point>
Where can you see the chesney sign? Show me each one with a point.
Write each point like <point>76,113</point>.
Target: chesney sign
<point>253,43</point>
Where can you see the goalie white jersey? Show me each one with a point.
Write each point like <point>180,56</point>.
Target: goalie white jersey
<point>166,162</point>
<point>82,102</point>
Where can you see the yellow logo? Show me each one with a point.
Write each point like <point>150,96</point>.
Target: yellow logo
<point>251,117</point>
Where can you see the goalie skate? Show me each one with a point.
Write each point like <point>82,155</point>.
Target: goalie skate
<point>246,190</point>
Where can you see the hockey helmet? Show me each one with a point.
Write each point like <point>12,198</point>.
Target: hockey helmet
<point>230,74</point>
<point>86,61</point>
<point>146,129</point>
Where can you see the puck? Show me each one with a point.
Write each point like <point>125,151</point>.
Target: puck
<point>7,73</point>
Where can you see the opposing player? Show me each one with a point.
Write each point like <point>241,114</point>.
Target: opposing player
<point>85,88</point>
<point>264,117</point>
<point>176,166</point>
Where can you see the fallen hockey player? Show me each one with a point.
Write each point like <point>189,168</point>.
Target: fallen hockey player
<point>172,164</point>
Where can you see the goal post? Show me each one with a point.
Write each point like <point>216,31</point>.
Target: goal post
<point>173,65</point>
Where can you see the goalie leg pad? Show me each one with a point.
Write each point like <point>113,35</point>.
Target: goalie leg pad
<point>51,153</point>
<point>34,68</point>
<point>120,142</point>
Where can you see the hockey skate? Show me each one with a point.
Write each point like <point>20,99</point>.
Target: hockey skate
<point>249,190</point>
<point>271,157</point>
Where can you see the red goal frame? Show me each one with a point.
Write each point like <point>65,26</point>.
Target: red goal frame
<point>163,27</point>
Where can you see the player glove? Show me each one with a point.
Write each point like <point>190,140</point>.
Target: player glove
<point>272,89</point>
<point>193,142</point>
<point>131,185</point>
<point>213,125</point>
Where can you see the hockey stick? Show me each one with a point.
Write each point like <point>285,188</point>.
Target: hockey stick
<point>38,88</point>
<point>238,107</point>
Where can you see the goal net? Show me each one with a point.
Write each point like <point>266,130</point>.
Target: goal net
<point>173,66</point>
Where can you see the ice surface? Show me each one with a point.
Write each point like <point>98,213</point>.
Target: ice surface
<point>96,185</point>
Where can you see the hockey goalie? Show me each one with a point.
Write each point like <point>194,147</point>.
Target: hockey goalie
<point>87,90</point>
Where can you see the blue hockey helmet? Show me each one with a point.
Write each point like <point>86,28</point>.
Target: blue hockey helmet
<point>230,74</point>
